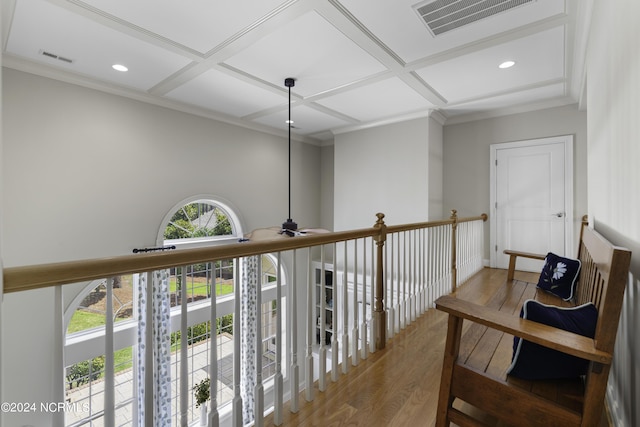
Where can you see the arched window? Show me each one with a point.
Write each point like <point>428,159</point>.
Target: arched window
<point>200,220</point>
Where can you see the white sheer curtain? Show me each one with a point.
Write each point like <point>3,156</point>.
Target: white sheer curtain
<point>249,287</point>
<point>154,351</point>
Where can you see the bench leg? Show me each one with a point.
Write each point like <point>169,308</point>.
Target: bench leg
<point>596,389</point>
<point>451,349</point>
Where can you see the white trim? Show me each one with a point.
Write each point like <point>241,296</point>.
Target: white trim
<point>567,141</point>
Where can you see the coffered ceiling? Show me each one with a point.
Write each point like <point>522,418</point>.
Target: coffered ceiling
<point>357,63</point>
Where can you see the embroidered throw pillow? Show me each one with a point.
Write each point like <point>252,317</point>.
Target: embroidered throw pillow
<point>535,362</point>
<point>559,275</point>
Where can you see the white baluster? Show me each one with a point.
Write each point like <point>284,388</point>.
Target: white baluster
<point>356,317</point>
<point>214,418</point>
<point>58,354</point>
<point>148,355</point>
<point>237,398</point>
<point>403,308</point>
<point>109,382</point>
<point>392,294</point>
<point>363,326</point>
<point>345,311</point>
<point>335,372</point>
<point>372,294</point>
<point>258,413</point>
<point>322,349</point>
<point>184,355</point>
<point>278,381</point>
<point>294,382</point>
<point>310,330</point>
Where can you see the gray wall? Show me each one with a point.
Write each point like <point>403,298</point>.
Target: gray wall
<point>385,169</point>
<point>613,87</point>
<point>466,156</point>
<point>89,174</point>
<point>326,187</point>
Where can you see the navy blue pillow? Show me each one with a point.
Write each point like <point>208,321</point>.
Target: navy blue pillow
<point>559,275</point>
<point>535,362</point>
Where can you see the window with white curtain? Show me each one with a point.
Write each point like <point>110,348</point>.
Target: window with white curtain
<point>194,222</point>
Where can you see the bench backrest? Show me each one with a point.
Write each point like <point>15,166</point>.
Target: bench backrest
<point>603,278</point>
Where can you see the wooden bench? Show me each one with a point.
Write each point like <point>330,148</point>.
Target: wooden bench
<point>475,364</point>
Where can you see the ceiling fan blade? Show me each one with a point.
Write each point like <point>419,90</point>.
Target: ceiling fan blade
<point>272,233</point>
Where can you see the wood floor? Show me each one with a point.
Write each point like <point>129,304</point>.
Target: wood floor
<point>397,386</point>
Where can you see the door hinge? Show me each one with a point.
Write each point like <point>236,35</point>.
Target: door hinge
<point>496,249</point>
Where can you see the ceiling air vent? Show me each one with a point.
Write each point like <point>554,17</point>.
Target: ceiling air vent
<point>446,15</point>
<point>54,56</point>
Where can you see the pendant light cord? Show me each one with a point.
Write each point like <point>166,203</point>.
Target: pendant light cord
<point>289,123</point>
<point>289,225</point>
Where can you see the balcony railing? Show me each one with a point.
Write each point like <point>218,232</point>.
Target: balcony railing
<point>333,298</point>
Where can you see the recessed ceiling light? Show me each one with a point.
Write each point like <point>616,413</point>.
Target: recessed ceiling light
<point>289,121</point>
<point>119,67</point>
<point>507,64</point>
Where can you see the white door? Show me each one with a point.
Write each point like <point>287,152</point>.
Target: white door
<point>533,192</point>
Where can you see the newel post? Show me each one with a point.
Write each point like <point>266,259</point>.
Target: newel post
<point>454,266</point>
<point>380,315</point>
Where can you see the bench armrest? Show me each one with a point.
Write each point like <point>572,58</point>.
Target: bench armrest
<point>513,255</point>
<point>548,336</point>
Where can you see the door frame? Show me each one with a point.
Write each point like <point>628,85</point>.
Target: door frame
<point>567,141</point>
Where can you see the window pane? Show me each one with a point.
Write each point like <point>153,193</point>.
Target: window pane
<point>84,385</point>
<point>91,311</point>
<point>198,219</point>
<point>197,280</point>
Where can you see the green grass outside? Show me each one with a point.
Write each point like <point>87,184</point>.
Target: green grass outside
<point>199,287</point>
<point>83,320</point>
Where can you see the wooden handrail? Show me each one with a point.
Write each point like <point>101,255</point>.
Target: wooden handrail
<point>23,278</point>
<point>431,224</point>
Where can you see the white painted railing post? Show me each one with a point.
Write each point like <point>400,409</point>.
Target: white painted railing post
<point>58,354</point>
<point>364,349</point>
<point>258,412</point>
<point>373,320</point>
<point>294,381</point>
<point>109,383</point>
<point>310,330</point>
<point>184,368</point>
<point>236,417</point>
<point>148,355</point>
<point>335,372</point>
<point>392,301</point>
<point>356,317</point>
<point>345,310</point>
<point>278,380</point>
<point>322,303</point>
<point>214,418</point>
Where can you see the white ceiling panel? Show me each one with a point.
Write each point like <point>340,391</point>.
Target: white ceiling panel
<point>41,26</point>
<point>414,41</point>
<point>512,101</point>
<point>200,25</point>
<point>377,101</point>
<point>306,120</point>
<point>310,49</point>
<point>539,58</point>
<point>218,91</point>
<point>357,63</point>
